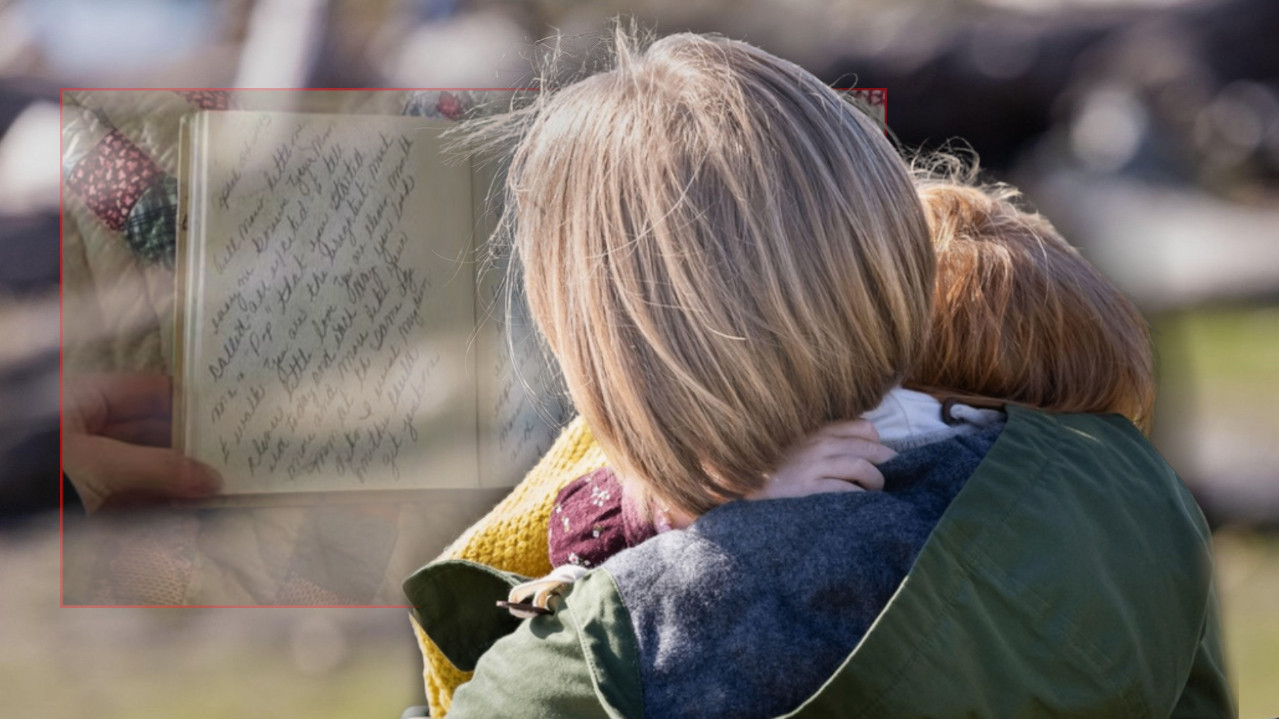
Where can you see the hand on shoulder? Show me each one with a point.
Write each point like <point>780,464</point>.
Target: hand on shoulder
<point>840,457</point>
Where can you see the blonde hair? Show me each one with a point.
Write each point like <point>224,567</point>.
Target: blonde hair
<point>1020,316</point>
<point>723,255</point>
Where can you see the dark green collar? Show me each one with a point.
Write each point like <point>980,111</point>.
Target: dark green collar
<point>1069,576</point>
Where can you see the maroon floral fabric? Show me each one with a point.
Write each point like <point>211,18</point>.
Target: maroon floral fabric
<point>590,521</point>
<point>112,177</point>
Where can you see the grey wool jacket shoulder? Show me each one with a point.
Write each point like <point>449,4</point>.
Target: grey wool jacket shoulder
<point>1059,568</point>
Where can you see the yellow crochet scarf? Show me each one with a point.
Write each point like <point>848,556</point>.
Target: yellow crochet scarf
<point>512,537</point>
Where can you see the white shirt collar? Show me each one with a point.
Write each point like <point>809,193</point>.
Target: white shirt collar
<point>905,415</point>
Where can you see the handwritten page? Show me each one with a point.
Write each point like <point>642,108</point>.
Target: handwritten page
<point>333,298</point>
<point>522,403</point>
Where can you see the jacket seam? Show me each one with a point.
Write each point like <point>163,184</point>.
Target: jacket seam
<point>589,657</point>
<point>964,542</point>
<point>929,643</point>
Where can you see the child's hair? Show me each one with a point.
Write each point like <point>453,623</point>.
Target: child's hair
<point>722,253</point>
<point>1020,316</point>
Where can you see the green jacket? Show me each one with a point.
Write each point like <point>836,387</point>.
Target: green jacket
<point>1070,576</point>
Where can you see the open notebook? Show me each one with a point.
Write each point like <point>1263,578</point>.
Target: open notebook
<point>339,326</point>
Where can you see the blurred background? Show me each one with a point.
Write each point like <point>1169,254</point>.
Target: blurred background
<point>1147,130</point>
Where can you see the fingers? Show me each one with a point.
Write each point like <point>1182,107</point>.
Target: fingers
<point>840,457</point>
<point>93,402</point>
<point>823,486</point>
<point>148,431</point>
<point>850,429</point>
<point>784,487</point>
<point>103,469</point>
<point>852,469</point>
<point>871,450</point>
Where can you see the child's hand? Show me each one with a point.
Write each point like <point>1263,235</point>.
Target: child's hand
<point>840,457</point>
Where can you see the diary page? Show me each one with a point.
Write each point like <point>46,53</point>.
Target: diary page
<point>330,305</point>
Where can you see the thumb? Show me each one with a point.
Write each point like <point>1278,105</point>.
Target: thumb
<point>828,484</point>
<point>102,469</point>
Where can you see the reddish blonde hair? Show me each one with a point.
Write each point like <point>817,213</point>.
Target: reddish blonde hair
<point>1019,316</point>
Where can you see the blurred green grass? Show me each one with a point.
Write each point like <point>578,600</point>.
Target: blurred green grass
<point>254,681</point>
<point>190,663</point>
<point>1215,418</point>
<point>1216,422</point>
<point>1230,354</point>
<point>1248,581</point>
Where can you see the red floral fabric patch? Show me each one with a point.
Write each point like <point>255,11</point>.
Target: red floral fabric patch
<point>873,96</point>
<point>207,99</point>
<point>450,106</point>
<point>112,177</point>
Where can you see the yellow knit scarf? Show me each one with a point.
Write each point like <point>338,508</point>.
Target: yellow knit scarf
<point>512,537</point>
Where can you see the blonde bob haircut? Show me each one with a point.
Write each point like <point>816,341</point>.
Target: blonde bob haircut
<point>722,253</point>
<point>1020,316</point>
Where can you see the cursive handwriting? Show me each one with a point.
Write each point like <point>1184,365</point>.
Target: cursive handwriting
<point>316,320</point>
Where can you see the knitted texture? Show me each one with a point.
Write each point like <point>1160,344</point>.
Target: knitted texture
<point>512,537</point>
